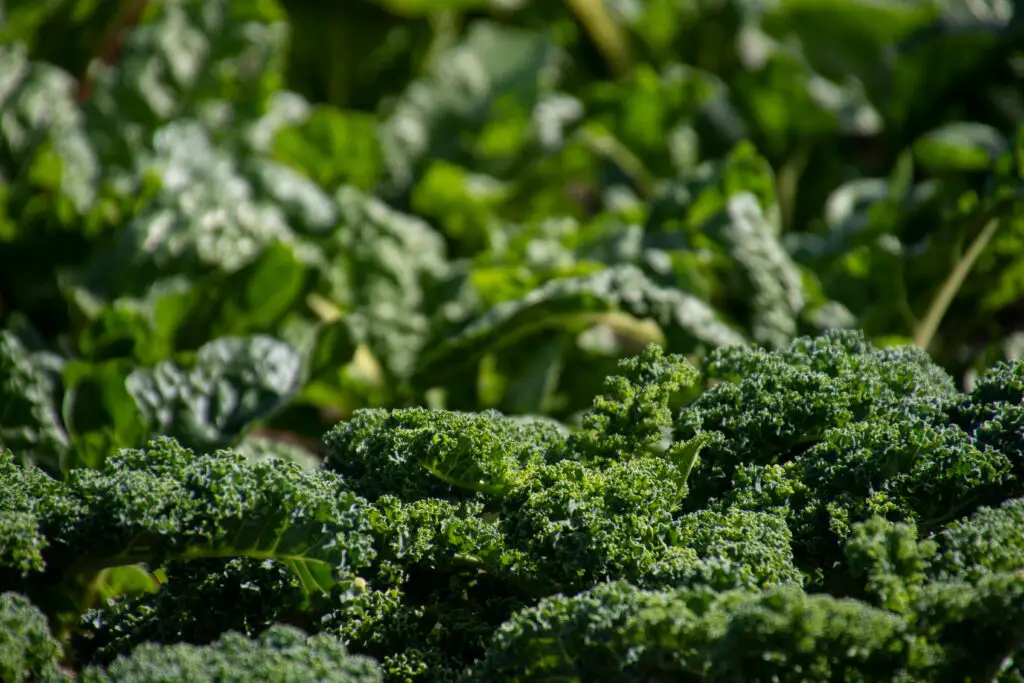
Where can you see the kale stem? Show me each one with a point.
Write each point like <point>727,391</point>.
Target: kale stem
<point>951,285</point>
<point>602,29</point>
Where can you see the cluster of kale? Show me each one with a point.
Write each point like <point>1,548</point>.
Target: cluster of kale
<point>829,511</point>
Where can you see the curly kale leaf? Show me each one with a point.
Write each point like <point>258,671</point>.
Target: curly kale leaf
<point>735,549</point>
<point>417,453</point>
<point>164,503</point>
<point>281,653</point>
<point>784,634</point>
<point>617,632</point>
<point>614,632</point>
<point>770,406</point>
<point>434,533</point>
<point>889,560</point>
<point>993,412</point>
<point>574,526</point>
<point>28,651</point>
<point>197,602</point>
<point>902,469</point>
<point>976,628</point>
<point>26,493</point>
<point>990,540</point>
<point>426,634</point>
<point>831,432</point>
<point>633,415</point>
<point>439,591</point>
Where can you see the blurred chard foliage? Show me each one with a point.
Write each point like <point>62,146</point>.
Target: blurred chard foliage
<point>233,220</point>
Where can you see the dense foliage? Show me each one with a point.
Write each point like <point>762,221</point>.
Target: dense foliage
<point>311,208</point>
<point>828,511</point>
<point>471,340</point>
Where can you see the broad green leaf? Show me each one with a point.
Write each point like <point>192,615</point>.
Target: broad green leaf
<point>332,347</point>
<point>258,448</point>
<point>127,580</point>
<point>855,44</point>
<point>20,19</point>
<point>333,148</point>
<point>770,273</point>
<point>201,215</point>
<point>49,177</point>
<point>960,146</point>
<point>531,387</point>
<point>435,114</point>
<point>573,303</point>
<point>417,8</point>
<point>729,208</point>
<point>42,134</point>
<point>186,59</point>
<point>100,414</point>
<point>144,328</point>
<point>931,65</point>
<point>654,108</point>
<point>307,207</point>
<point>257,297</point>
<point>392,263</point>
<point>465,204</point>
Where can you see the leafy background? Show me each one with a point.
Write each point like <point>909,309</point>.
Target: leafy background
<point>235,222</point>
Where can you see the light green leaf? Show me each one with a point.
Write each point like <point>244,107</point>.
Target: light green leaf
<point>960,146</point>
<point>435,116</point>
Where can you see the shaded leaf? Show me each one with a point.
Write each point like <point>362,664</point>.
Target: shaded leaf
<point>210,401</point>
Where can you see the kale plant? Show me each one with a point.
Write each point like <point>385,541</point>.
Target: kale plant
<point>825,511</point>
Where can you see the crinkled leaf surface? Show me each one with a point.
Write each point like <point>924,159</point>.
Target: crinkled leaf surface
<point>30,423</point>
<point>210,401</point>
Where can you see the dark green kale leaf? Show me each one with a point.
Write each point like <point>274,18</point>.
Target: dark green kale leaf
<point>903,469</point>
<point>990,540</point>
<point>632,415</point>
<point>976,628</point>
<point>416,453</point>
<point>196,603</point>
<point>617,632</point>
<point>28,651</point>
<point>735,549</point>
<point>771,406</point>
<point>993,412</point>
<point>281,653</point>
<point>25,494</point>
<point>163,504</point>
<point>834,431</point>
